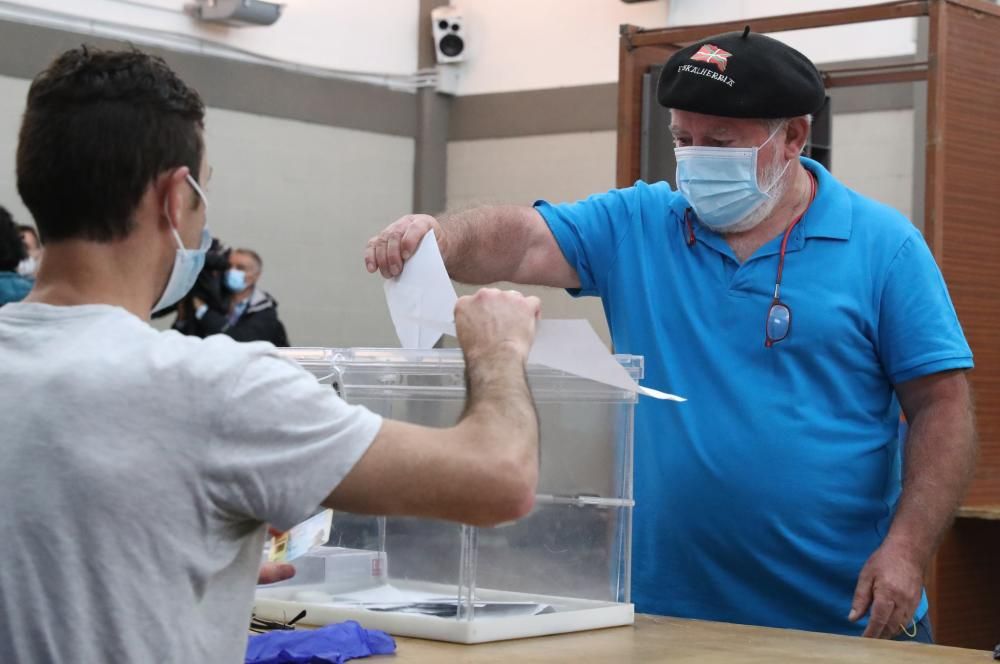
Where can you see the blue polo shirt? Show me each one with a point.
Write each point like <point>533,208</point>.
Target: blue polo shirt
<point>760,499</point>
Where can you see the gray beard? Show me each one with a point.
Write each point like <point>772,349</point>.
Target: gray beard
<point>765,209</point>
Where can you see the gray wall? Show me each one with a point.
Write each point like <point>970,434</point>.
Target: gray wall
<point>556,167</point>
<point>307,168</point>
<point>12,95</point>
<point>308,197</point>
<point>305,196</point>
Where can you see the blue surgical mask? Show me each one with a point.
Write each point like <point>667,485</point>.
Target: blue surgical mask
<point>720,184</point>
<point>236,280</point>
<point>187,262</point>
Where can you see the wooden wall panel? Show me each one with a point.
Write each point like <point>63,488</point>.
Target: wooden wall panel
<point>964,592</point>
<point>963,202</point>
<point>632,64</point>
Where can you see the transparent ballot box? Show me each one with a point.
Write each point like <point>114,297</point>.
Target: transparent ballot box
<point>564,567</point>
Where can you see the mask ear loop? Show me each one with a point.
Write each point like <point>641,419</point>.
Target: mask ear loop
<point>166,212</point>
<point>784,170</point>
<point>173,229</point>
<point>197,189</point>
<point>912,635</point>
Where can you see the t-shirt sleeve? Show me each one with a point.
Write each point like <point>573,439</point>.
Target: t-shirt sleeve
<point>283,443</point>
<point>590,232</point>
<point>919,332</point>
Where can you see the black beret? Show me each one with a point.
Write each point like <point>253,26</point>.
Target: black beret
<point>741,75</point>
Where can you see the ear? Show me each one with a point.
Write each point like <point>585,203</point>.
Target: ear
<point>796,137</point>
<point>173,192</point>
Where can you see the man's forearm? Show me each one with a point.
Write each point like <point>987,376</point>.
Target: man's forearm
<point>939,459</point>
<point>500,406</point>
<point>486,244</point>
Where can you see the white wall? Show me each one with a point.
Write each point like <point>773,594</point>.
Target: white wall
<point>535,44</point>
<point>355,35</point>
<point>851,42</point>
<point>873,154</point>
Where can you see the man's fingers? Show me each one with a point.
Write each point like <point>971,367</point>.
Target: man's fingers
<point>899,619</point>
<point>411,238</point>
<point>882,610</point>
<point>905,618</point>
<point>380,256</point>
<point>536,306</point>
<point>862,597</point>
<point>370,256</point>
<point>274,572</point>
<point>392,253</point>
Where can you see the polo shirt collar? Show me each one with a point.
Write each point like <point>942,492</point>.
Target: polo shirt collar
<point>829,216</point>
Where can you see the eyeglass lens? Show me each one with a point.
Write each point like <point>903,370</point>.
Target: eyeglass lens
<point>778,321</point>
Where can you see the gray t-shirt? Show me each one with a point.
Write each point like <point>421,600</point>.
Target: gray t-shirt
<point>138,468</point>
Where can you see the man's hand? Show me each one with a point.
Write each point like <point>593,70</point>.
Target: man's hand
<point>274,572</point>
<point>387,251</point>
<point>493,320</point>
<point>890,583</point>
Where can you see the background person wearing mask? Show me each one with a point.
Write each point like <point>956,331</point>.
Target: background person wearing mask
<point>29,266</point>
<point>13,285</point>
<point>790,510</point>
<point>252,313</point>
<point>139,503</point>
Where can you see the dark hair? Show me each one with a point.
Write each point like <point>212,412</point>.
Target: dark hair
<point>252,254</point>
<point>12,250</point>
<point>100,126</point>
<point>25,228</point>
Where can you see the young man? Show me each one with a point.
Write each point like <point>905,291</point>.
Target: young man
<point>140,468</point>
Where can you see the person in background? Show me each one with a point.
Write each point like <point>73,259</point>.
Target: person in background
<point>13,286</point>
<point>252,314</point>
<point>29,266</point>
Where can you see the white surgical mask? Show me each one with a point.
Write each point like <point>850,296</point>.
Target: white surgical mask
<point>721,184</point>
<point>187,262</point>
<point>28,267</point>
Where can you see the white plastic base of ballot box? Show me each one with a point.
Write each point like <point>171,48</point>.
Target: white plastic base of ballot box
<point>568,614</point>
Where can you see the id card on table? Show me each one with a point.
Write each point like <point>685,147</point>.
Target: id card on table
<point>302,538</point>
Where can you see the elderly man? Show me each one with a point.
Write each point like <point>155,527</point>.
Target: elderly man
<point>141,467</point>
<point>797,316</point>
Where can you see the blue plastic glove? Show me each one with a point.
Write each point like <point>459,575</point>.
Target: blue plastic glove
<point>333,644</point>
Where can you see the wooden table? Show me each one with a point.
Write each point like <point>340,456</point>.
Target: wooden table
<point>657,639</point>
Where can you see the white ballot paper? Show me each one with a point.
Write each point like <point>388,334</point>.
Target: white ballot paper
<point>422,306</point>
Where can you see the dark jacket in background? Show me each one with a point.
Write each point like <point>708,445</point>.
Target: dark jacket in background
<point>258,323</point>
<point>14,287</point>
